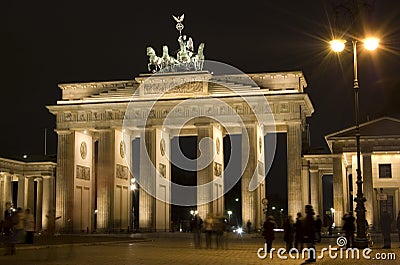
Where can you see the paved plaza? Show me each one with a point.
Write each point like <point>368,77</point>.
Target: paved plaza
<point>172,248</point>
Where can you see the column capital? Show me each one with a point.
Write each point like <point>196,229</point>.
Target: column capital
<point>63,132</point>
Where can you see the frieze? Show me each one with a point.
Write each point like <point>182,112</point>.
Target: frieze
<point>158,88</point>
<point>82,172</point>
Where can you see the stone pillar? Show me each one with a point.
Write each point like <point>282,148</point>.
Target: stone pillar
<point>314,188</point>
<point>21,191</point>
<point>305,183</point>
<point>147,180</point>
<point>105,181</point>
<point>321,195</point>
<point>48,200</point>
<point>204,173</point>
<point>251,202</point>
<point>29,193</point>
<point>338,196</point>
<point>368,186</point>
<point>39,202</point>
<point>65,183</point>
<point>294,168</point>
<point>7,188</point>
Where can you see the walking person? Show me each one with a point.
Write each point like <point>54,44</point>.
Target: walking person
<point>268,232</point>
<point>8,229</point>
<point>208,228</point>
<point>398,224</point>
<point>318,228</point>
<point>18,218</point>
<point>349,228</point>
<point>386,222</point>
<point>248,226</point>
<point>196,225</point>
<point>288,236</point>
<point>29,226</point>
<point>308,225</point>
<point>298,240</point>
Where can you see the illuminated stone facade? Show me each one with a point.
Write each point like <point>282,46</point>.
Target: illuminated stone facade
<point>93,189</point>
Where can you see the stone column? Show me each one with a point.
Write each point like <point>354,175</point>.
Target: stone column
<point>338,196</point>
<point>305,182</point>
<point>294,168</point>
<point>39,202</point>
<point>65,183</point>
<point>314,187</point>
<point>21,191</point>
<point>204,175</point>
<point>367,186</point>
<point>147,180</point>
<point>250,201</point>
<point>7,188</point>
<point>105,181</point>
<point>48,200</point>
<point>29,193</point>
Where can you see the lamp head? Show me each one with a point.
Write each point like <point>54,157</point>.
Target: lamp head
<point>337,45</point>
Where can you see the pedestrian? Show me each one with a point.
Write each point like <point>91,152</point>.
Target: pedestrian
<point>318,227</point>
<point>219,226</point>
<point>248,226</point>
<point>349,228</point>
<point>29,226</point>
<point>268,232</point>
<point>208,229</point>
<point>386,222</point>
<point>398,224</point>
<point>288,236</point>
<point>308,228</point>
<point>196,225</point>
<point>298,240</point>
<point>18,221</point>
<point>8,228</point>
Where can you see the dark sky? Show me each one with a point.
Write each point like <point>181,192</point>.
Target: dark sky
<point>44,43</point>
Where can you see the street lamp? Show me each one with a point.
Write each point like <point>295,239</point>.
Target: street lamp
<point>338,46</point>
<point>229,215</point>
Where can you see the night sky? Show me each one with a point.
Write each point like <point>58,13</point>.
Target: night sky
<point>44,43</point>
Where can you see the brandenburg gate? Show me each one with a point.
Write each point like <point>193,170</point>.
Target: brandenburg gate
<point>97,123</point>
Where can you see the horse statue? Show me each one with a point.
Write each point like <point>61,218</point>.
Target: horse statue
<point>198,60</point>
<point>167,60</point>
<point>155,62</point>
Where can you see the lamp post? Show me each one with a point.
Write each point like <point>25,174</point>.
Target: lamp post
<point>337,46</point>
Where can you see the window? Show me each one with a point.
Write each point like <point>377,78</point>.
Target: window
<point>385,171</point>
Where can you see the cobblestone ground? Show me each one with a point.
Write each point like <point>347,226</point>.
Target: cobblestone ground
<point>176,249</point>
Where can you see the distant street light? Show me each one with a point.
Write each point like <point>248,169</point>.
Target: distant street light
<point>229,216</point>
<point>338,46</point>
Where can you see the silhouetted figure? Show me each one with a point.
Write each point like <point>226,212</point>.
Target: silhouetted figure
<point>196,225</point>
<point>318,227</point>
<point>208,228</point>
<point>288,237</point>
<point>308,225</point>
<point>248,226</point>
<point>386,222</point>
<point>398,224</point>
<point>219,226</point>
<point>349,228</point>
<point>8,225</point>
<point>268,232</point>
<point>328,222</point>
<point>298,240</point>
<point>29,226</point>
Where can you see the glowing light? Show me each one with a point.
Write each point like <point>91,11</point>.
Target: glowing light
<point>191,212</point>
<point>25,156</point>
<point>371,43</point>
<point>237,199</point>
<point>133,187</point>
<point>239,230</point>
<point>273,208</point>
<point>133,180</point>
<point>337,45</point>
<point>229,212</point>
<point>85,132</point>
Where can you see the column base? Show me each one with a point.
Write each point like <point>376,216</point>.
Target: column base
<point>360,243</point>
